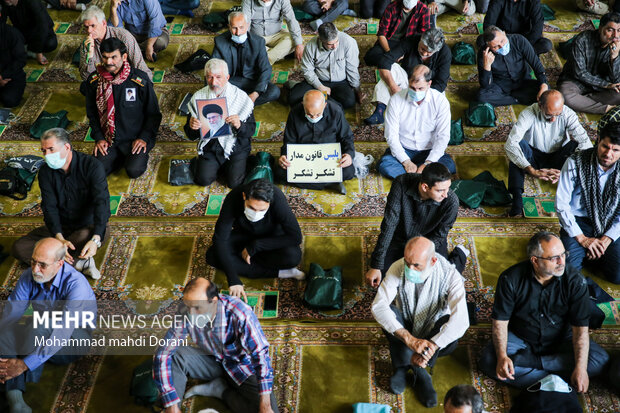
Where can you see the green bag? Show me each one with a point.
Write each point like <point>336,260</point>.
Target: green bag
<point>324,288</point>
<point>548,12</point>
<point>480,114</point>
<point>47,121</point>
<point>262,167</point>
<point>457,136</point>
<point>463,54</point>
<point>143,387</point>
<point>496,193</point>
<point>301,15</point>
<point>564,48</point>
<point>469,192</point>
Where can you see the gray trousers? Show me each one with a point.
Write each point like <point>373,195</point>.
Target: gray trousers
<point>160,44</point>
<point>193,362</point>
<point>582,99</point>
<point>314,8</point>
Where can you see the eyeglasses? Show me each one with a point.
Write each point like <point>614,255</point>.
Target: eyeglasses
<point>555,258</point>
<point>42,265</point>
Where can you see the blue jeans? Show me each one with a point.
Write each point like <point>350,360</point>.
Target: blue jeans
<point>390,167</point>
<point>173,6</point>
<point>608,264</point>
<point>561,363</point>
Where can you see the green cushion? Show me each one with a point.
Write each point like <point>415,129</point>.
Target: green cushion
<point>463,54</point>
<point>480,114</point>
<point>456,132</point>
<point>324,288</point>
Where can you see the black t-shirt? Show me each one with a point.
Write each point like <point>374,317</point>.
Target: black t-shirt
<point>541,315</point>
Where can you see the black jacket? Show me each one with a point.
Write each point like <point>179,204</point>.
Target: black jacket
<point>524,17</point>
<point>439,62</point>
<point>12,53</point>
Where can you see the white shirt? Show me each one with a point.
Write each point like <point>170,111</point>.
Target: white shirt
<point>409,125</point>
<point>545,136</point>
<point>451,330</point>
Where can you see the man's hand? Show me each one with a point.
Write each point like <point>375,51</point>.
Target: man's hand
<point>325,89</point>
<point>488,57</point>
<point>101,146</point>
<point>394,88</point>
<point>114,5</point>
<point>505,369</point>
<point>345,161</point>
<point>542,89</point>
<point>283,162</point>
<point>465,7</point>
<point>239,292</point>
<point>89,45</point>
<point>580,380</point>
<point>138,146</point>
<point>598,247</point>
<point>11,368</point>
<point>194,123</point>
<point>614,49</point>
<point>545,174</point>
<point>69,245</point>
<point>253,96</point>
<point>299,52</point>
<point>89,250</point>
<point>4,81</point>
<point>173,409</point>
<point>614,86</point>
<point>418,360</point>
<point>234,121</point>
<point>246,257</point>
<point>424,348</point>
<point>265,404</point>
<point>589,3</point>
<point>149,52</point>
<point>432,8</point>
<point>42,59</point>
<point>326,4</point>
<point>421,168</point>
<point>410,167</point>
<point>373,277</point>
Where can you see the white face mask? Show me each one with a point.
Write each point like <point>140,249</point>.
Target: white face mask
<point>254,216</point>
<point>54,161</point>
<point>551,383</point>
<point>239,39</point>
<point>265,3</point>
<point>314,120</point>
<point>410,4</point>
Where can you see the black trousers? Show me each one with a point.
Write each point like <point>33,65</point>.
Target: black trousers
<point>342,92</point>
<point>372,8</point>
<point>509,93</point>
<point>377,57</point>
<point>11,94</point>
<point>209,166</point>
<point>247,85</point>
<point>280,176</point>
<point>264,264</point>
<point>51,43</point>
<point>542,45</point>
<point>118,157</point>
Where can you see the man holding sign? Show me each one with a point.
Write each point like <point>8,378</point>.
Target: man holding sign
<point>317,121</point>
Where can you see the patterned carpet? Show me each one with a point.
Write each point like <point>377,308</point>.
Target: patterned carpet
<point>324,361</point>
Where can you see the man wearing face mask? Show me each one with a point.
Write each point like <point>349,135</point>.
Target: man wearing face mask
<point>75,203</point>
<point>256,236</point>
<point>545,135</point>
<point>329,64</point>
<point>504,62</point>
<point>318,120</point>
<point>50,284</point>
<point>248,64</point>
<point>239,373</point>
<point>590,79</point>
<point>417,128</point>
<point>422,308</point>
<point>540,321</point>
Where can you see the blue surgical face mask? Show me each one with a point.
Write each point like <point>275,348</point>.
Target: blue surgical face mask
<point>551,383</point>
<point>504,50</point>
<point>416,96</point>
<point>314,120</point>
<point>54,161</point>
<point>239,39</point>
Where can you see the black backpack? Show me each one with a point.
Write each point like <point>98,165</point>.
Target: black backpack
<point>12,184</point>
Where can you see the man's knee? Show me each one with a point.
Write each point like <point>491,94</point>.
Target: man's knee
<point>22,249</point>
<point>291,257</point>
<point>11,100</point>
<point>136,168</point>
<point>597,360</point>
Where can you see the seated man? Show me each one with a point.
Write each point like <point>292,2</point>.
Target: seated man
<point>266,21</point>
<point>329,64</point>
<point>539,144</point>
<point>428,48</point>
<point>523,17</point>
<point>228,153</point>
<point>30,17</point>
<point>422,309</point>
<point>504,63</point>
<point>373,8</point>
<point>143,19</point>
<point>417,205</point>
<point>417,128</point>
<point>75,202</point>
<point>402,19</point>
<point>248,64</point>
<point>48,284</point>
<point>256,236</point>
<point>540,321</point>
<point>326,11</point>
<point>460,397</point>
<point>439,7</point>
<point>12,62</point>
<point>179,7</point>
<point>590,79</point>
<point>588,202</point>
<point>67,4</point>
<point>93,20</point>
<point>599,7</point>
<point>239,373</point>
<point>317,120</point>
<point>123,137</point>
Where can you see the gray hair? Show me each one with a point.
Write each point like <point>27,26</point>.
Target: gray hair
<point>59,254</point>
<point>328,32</point>
<point>433,39</point>
<point>92,12</point>
<point>534,249</point>
<point>236,14</point>
<point>216,65</point>
<point>61,135</point>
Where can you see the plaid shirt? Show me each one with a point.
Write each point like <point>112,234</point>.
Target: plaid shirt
<point>236,340</point>
<point>419,21</point>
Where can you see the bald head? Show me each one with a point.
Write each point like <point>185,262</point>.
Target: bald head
<point>196,289</point>
<point>50,248</point>
<point>314,103</point>
<point>551,103</point>
<point>419,249</point>
<point>420,73</point>
<point>47,259</point>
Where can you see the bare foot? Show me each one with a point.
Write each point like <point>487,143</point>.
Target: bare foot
<point>41,59</point>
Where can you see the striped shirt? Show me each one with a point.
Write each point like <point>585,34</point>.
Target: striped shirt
<point>236,340</point>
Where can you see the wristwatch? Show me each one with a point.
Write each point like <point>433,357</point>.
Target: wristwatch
<point>96,241</point>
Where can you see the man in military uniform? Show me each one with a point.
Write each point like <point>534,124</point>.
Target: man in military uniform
<point>123,137</point>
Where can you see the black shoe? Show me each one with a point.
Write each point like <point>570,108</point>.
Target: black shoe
<point>340,188</point>
<point>517,209</point>
<point>423,388</point>
<point>194,62</point>
<point>399,380</point>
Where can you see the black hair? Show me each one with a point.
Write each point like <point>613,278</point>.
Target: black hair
<point>612,16</point>
<point>328,32</point>
<point>464,395</point>
<point>211,291</point>
<point>260,189</point>
<point>611,131</point>
<point>489,34</point>
<point>112,44</point>
<point>211,108</point>
<point>533,245</point>
<point>434,173</point>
